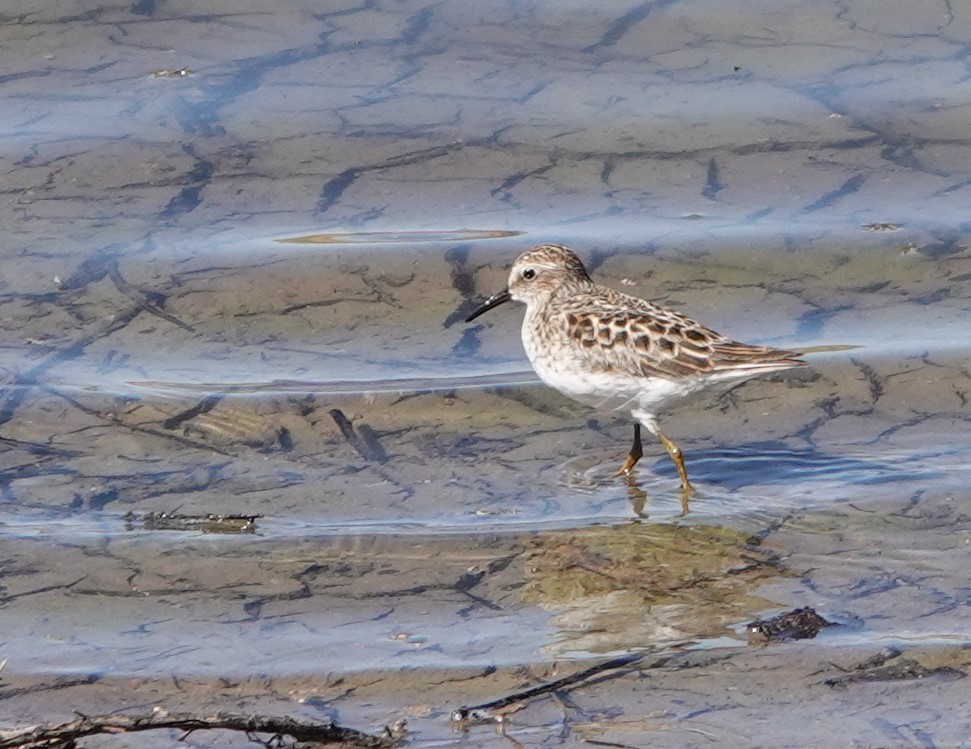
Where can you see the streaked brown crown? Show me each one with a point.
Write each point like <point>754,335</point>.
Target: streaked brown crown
<point>544,269</point>
<point>554,256</point>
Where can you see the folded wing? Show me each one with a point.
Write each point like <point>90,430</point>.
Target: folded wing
<point>639,336</point>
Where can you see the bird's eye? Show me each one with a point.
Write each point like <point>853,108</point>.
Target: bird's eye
<point>529,274</point>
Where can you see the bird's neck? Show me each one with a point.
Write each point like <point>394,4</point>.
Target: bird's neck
<point>569,290</point>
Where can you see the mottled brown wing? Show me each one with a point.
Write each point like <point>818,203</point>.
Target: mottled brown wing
<point>652,345</point>
<point>653,341</point>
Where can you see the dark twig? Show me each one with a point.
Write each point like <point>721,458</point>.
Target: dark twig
<point>45,736</point>
<point>202,407</point>
<point>46,589</point>
<point>150,301</point>
<point>133,427</point>
<point>14,394</point>
<point>496,710</point>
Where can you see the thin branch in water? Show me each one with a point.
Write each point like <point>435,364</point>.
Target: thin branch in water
<point>64,734</point>
<point>496,710</point>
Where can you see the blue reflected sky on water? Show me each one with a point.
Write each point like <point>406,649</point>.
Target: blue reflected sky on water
<point>791,173</point>
<point>406,117</point>
<point>784,173</point>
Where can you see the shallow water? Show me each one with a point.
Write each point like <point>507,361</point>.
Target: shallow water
<point>238,247</point>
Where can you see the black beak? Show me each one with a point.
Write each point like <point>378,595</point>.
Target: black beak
<point>494,301</point>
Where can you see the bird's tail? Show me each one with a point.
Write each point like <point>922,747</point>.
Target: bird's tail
<point>734,358</point>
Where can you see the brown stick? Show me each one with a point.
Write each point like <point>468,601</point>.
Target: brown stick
<point>496,710</point>
<point>38,737</point>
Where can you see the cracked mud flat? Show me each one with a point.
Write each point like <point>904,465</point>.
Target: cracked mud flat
<point>237,250</point>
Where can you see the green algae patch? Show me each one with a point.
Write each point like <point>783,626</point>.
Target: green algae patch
<point>646,584</point>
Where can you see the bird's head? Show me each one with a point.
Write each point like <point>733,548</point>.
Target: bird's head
<point>536,275</point>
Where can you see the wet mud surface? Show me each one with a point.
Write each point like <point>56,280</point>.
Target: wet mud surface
<point>251,459</point>
<point>205,623</point>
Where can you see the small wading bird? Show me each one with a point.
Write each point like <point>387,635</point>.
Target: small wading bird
<point>616,352</point>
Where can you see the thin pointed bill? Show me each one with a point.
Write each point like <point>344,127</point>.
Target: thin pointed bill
<point>494,301</point>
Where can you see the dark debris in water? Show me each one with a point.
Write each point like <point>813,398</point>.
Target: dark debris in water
<point>171,74</point>
<point>207,523</point>
<point>364,439</point>
<point>497,710</point>
<point>305,732</point>
<point>798,624</point>
<point>890,665</point>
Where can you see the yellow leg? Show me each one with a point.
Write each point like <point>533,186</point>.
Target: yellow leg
<point>635,454</point>
<point>678,457</point>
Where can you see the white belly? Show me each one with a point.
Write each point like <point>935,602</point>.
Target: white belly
<point>606,391</point>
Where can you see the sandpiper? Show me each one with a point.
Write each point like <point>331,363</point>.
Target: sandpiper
<point>617,352</point>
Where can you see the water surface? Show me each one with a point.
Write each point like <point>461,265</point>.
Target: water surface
<point>238,247</point>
